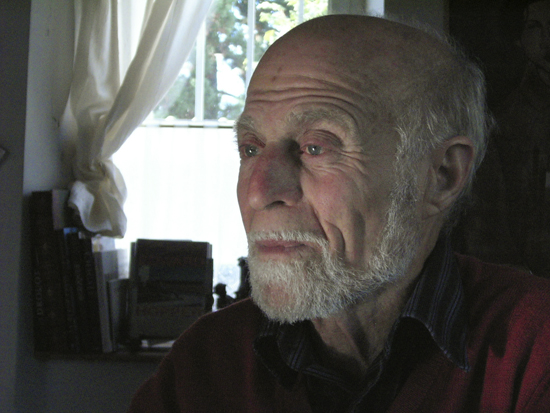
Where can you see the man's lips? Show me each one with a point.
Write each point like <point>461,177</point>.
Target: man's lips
<point>280,247</point>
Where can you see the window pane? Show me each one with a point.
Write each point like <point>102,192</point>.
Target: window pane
<point>226,56</point>
<point>179,102</point>
<point>226,60</point>
<point>275,18</point>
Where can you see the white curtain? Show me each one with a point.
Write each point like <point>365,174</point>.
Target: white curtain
<point>101,111</point>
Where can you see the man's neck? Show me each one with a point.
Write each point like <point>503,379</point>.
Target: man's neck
<point>356,336</point>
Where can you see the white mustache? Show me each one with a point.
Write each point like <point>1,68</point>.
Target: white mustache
<point>289,236</point>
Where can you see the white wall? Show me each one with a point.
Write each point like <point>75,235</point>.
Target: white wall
<point>14,26</point>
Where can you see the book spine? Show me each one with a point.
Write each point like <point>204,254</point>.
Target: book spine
<point>133,333</point>
<point>49,311</point>
<point>41,343</point>
<point>117,292</point>
<point>73,329</point>
<point>73,243</point>
<point>93,292</point>
<point>102,302</point>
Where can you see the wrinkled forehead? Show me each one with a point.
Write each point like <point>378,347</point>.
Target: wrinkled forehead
<point>377,58</point>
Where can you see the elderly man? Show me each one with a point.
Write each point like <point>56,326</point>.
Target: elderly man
<point>358,138</point>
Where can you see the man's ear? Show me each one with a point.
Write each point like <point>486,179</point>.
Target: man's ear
<point>451,163</point>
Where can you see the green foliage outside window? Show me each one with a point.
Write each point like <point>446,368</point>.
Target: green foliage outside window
<point>226,41</point>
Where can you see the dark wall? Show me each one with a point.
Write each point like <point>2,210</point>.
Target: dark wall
<point>14,48</point>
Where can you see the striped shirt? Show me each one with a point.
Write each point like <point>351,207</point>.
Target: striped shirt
<point>433,319</point>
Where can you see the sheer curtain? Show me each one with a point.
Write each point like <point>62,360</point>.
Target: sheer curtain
<point>102,111</point>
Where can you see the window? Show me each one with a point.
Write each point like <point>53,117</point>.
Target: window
<point>212,83</point>
<point>181,166</point>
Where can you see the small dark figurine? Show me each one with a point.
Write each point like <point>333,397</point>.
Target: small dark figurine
<point>244,287</point>
<point>223,299</point>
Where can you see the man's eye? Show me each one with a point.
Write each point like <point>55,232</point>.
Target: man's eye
<point>250,150</point>
<point>314,150</point>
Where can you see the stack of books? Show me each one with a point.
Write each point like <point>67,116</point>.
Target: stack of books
<point>170,287</point>
<point>79,297</point>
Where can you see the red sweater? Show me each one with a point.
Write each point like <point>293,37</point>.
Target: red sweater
<point>212,367</point>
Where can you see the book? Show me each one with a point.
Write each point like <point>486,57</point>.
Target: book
<point>92,292</point>
<point>165,319</point>
<point>171,286</point>
<point>48,215</point>
<point>78,278</point>
<point>172,260</point>
<point>117,290</point>
<point>70,299</point>
<point>68,291</point>
<point>106,270</point>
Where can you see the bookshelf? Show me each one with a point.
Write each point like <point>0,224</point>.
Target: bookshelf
<point>94,302</point>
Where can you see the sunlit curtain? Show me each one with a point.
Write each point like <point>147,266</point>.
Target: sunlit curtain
<point>102,111</point>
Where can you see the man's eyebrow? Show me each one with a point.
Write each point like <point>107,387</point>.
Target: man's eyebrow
<point>243,123</point>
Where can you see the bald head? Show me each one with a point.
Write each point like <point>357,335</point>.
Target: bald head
<point>418,84</point>
<point>384,58</point>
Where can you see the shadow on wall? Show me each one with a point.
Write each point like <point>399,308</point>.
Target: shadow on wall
<point>509,221</point>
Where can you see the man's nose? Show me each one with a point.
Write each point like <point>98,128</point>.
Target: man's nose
<point>274,180</point>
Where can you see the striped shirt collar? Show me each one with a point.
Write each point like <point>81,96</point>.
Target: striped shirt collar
<point>437,302</point>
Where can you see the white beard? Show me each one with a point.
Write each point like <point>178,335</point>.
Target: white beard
<point>322,284</point>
